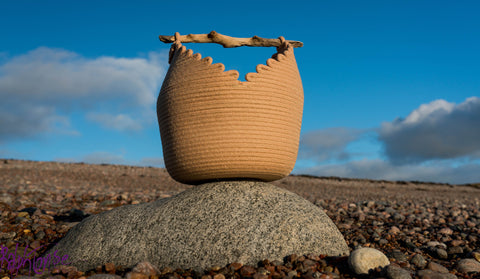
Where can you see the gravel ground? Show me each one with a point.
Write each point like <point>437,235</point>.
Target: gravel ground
<point>425,229</point>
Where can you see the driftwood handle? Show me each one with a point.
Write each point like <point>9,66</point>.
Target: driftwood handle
<point>227,41</point>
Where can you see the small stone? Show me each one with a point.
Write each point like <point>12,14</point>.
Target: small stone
<point>364,259</point>
<point>441,254</point>
<point>108,203</point>
<point>308,262</point>
<point>276,262</point>
<point>146,268</point>
<point>383,241</point>
<point>135,275</point>
<point>247,271</point>
<point>446,231</point>
<point>7,235</point>
<point>468,265</point>
<point>255,276</point>
<point>457,242</point>
<point>166,270</point>
<point>430,274</point>
<point>436,243</point>
<point>236,266</point>
<point>395,272</point>
<point>220,276</point>
<point>410,245</point>
<point>437,267</point>
<point>476,255</point>
<point>292,273</point>
<point>23,214</point>
<point>40,235</point>
<point>110,268</point>
<point>455,250</point>
<point>394,230</point>
<point>35,244</point>
<point>419,261</point>
<point>398,256</point>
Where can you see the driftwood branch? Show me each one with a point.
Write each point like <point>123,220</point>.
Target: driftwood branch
<point>227,41</point>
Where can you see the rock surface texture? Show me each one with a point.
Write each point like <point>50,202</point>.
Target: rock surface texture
<point>211,224</point>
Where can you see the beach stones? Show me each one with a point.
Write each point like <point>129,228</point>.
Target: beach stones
<point>207,225</point>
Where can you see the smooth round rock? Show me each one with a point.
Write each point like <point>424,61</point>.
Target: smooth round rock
<point>468,265</point>
<point>419,261</point>
<point>207,225</point>
<point>396,272</point>
<point>364,259</point>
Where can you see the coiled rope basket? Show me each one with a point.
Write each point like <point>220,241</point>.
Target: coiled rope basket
<point>215,127</point>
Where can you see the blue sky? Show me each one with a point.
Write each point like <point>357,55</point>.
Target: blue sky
<point>392,88</point>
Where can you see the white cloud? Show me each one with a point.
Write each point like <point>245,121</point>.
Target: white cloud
<point>41,88</point>
<point>438,130</point>
<point>28,120</point>
<point>438,142</point>
<point>121,122</point>
<point>326,144</point>
<point>438,171</point>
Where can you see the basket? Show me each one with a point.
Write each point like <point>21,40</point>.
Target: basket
<point>215,127</point>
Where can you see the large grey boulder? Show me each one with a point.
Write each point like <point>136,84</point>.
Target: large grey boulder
<point>211,224</point>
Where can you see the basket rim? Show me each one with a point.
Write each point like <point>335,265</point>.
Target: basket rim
<point>278,57</point>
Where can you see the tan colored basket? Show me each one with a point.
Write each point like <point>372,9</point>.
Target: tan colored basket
<point>215,127</point>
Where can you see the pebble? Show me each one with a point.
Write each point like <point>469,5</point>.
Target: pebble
<point>236,266</point>
<point>455,250</point>
<point>419,261</point>
<point>7,235</point>
<point>146,268</point>
<point>135,275</point>
<point>457,242</point>
<point>430,274</point>
<point>247,271</point>
<point>468,265</point>
<point>438,253</point>
<point>441,253</point>
<point>396,272</point>
<point>398,256</point>
<point>394,230</point>
<point>436,243</point>
<point>476,255</point>
<point>437,267</point>
<point>446,231</point>
<point>362,260</point>
<point>256,276</point>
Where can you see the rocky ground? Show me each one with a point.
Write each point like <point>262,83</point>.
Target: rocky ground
<point>426,230</point>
